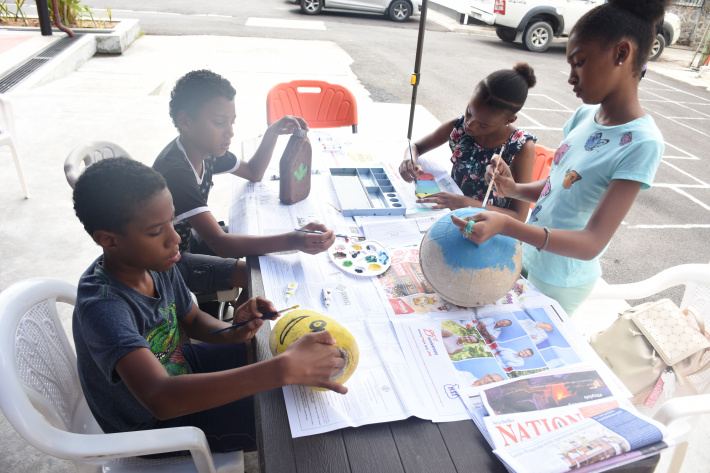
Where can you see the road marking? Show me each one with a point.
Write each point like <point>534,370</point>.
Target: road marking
<point>293,24</point>
<point>565,107</point>
<point>690,197</point>
<point>685,173</point>
<point>690,158</point>
<point>678,90</point>
<point>663,227</point>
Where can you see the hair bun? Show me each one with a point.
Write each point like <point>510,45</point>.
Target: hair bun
<point>526,70</point>
<point>648,10</point>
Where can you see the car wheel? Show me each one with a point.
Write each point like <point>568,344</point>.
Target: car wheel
<point>538,36</point>
<point>400,10</point>
<point>658,46</point>
<point>506,34</point>
<point>311,7</point>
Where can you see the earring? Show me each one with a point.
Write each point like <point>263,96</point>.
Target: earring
<point>620,63</point>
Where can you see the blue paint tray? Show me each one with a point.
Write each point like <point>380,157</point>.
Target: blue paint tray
<point>366,191</point>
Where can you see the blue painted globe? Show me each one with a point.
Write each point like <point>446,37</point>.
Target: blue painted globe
<point>464,273</point>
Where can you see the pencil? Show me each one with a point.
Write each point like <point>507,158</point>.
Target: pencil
<point>317,233</point>
<point>268,316</point>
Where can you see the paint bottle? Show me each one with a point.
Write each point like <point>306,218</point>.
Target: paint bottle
<point>295,169</point>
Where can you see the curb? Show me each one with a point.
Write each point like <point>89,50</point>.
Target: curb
<point>60,66</point>
<point>113,41</point>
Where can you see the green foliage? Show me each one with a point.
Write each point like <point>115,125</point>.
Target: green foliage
<point>70,12</point>
<point>471,350</point>
<point>518,374</point>
<point>15,14</point>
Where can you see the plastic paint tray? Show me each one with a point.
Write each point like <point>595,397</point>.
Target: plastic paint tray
<point>366,191</point>
<point>360,258</point>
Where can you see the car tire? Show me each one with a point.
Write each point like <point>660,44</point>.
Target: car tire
<point>659,44</point>
<point>399,10</point>
<point>311,7</point>
<point>538,36</point>
<point>506,34</point>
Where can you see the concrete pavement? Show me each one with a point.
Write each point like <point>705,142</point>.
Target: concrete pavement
<point>124,99</point>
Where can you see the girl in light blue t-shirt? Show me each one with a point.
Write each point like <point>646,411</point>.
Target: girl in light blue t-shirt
<point>610,151</point>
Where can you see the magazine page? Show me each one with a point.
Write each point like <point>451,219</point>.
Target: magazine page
<point>547,391</point>
<point>584,443</point>
<point>406,290</point>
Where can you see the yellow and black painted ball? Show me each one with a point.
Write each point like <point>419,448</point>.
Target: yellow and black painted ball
<point>295,324</point>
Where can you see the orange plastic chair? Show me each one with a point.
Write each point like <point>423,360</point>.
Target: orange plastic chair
<point>321,104</point>
<point>543,163</point>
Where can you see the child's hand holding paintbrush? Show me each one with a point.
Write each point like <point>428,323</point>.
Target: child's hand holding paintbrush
<point>251,315</point>
<point>498,174</point>
<point>409,169</point>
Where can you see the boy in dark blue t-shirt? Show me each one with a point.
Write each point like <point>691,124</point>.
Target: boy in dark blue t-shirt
<point>134,371</point>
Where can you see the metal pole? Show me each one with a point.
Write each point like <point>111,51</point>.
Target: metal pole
<point>417,66</point>
<point>45,24</point>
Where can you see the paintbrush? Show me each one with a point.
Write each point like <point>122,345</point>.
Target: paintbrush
<point>493,178</point>
<point>318,233</point>
<point>411,158</point>
<point>268,316</point>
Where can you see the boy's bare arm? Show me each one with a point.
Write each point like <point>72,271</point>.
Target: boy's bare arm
<point>254,169</point>
<point>310,361</point>
<point>227,245</point>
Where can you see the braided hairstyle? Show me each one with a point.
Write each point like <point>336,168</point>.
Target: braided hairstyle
<point>507,89</point>
<point>618,20</point>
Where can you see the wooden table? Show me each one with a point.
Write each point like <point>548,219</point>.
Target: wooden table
<point>411,445</point>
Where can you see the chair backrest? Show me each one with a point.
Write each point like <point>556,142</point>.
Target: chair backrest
<point>7,124</point>
<point>543,162</point>
<point>321,104</point>
<point>40,385</point>
<point>87,154</point>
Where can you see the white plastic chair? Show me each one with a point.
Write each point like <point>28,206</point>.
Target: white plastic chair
<point>7,138</point>
<point>680,413</point>
<point>87,154</point>
<point>42,399</point>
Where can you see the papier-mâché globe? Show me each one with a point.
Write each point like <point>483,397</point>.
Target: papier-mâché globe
<point>464,273</point>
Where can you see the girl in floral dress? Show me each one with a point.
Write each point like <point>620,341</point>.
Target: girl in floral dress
<point>486,129</point>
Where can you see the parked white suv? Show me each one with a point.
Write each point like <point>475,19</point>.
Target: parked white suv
<point>534,22</point>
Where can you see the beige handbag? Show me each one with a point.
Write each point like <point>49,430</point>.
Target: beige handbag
<point>658,351</point>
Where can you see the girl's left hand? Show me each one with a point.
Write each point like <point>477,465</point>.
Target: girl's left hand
<point>445,200</point>
<point>251,310</point>
<point>286,125</point>
<point>488,225</point>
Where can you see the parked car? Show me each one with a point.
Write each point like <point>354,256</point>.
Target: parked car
<point>534,22</point>
<point>670,31</point>
<point>396,10</point>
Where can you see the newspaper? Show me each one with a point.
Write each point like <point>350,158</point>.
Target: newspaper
<point>612,437</point>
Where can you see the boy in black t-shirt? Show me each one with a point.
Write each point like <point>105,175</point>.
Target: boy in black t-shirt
<point>203,111</point>
<point>134,371</point>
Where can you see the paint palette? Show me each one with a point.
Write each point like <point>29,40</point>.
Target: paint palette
<point>366,191</point>
<point>361,258</point>
<point>426,185</point>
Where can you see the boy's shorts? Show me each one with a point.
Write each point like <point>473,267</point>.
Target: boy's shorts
<point>202,270</point>
<point>229,427</point>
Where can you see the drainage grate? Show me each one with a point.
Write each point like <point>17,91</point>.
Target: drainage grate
<point>18,74</point>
